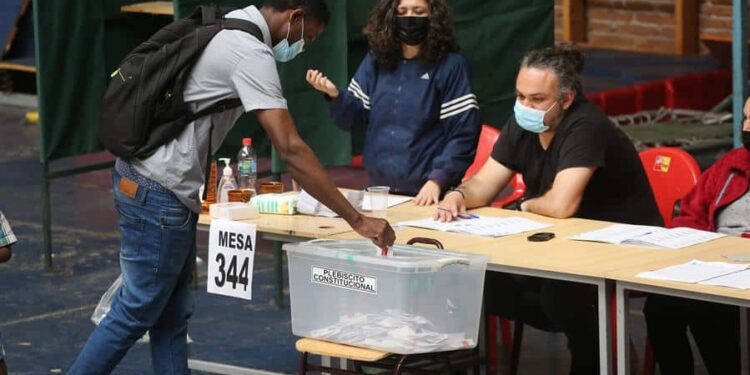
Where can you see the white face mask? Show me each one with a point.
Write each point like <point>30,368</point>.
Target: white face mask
<point>283,52</point>
<point>531,119</point>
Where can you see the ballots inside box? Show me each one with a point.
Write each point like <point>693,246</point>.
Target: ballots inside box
<point>233,211</point>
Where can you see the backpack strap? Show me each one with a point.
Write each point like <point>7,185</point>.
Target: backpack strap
<point>220,106</point>
<point>226,104</point>
<point>242,25</point>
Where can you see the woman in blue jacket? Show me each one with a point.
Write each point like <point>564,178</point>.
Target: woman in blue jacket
<point>413,98</point>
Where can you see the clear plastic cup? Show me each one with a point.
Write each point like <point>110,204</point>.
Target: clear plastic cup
<point>378,196</point>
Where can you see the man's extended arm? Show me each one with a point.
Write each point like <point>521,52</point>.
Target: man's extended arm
<point>307,171</point>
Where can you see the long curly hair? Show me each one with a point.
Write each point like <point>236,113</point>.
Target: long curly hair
<point>386,46</point>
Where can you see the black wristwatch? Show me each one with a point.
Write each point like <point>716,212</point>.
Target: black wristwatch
<point>520,201</point>
<point>459,191</point>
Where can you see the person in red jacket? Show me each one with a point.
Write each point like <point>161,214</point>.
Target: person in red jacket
<point>719,202</point>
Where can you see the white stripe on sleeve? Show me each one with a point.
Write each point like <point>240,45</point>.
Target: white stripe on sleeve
<point>456,100</point>
<point>465,108</point>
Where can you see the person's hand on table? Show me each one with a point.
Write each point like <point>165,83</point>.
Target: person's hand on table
<point>318,81</point>
<point>428,195</point>
<point>378,230</point>
<point>452,205</point>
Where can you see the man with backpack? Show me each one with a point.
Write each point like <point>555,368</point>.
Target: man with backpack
<point>156,185</point>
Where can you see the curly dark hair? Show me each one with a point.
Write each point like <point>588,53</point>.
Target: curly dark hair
<point>565,60</point>
<point>386,46</point>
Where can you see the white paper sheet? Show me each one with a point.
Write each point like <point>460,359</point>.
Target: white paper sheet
<point>676,238</point>
<point>737,280</point>
<point>616,233</point>
<point>480,225</point>
<point>393,200</point>
<point>693,271</point>
<point>642,235</point>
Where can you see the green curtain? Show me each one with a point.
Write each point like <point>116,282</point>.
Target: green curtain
<point>78,42</point>
<point>494,36</point>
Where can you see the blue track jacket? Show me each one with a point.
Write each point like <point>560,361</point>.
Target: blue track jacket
<point>421,122</point>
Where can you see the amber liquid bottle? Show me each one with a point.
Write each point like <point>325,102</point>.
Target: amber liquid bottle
<point>211,186</point>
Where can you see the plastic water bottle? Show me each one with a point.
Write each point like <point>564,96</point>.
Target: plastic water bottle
<point>247,166</point>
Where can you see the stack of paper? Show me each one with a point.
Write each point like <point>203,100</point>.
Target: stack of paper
<point>642,235</point>
<point>360,200</point>
<point>705,273</point>
<point>480,225</point>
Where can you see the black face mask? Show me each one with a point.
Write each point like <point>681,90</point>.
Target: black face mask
<point>412,30</point>
<point>746,138</point>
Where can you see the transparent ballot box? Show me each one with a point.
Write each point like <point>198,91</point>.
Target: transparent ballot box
<point>414,300</point>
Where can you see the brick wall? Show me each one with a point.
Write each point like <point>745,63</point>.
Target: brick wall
<point>643,25</point>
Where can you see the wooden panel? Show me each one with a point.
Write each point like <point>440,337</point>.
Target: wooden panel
<point>153,7</point>
<point>574,21</point>
<point>330,349</point>
<point>686,27</point>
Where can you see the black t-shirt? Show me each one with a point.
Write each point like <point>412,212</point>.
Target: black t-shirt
<point>618,191</point>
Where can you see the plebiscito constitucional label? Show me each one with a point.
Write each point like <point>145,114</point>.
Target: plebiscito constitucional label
<point>346,280</point>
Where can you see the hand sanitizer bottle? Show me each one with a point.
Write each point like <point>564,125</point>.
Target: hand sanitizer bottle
<point>227,182</point>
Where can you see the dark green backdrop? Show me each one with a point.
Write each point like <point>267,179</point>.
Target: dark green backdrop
<point>79,42</point>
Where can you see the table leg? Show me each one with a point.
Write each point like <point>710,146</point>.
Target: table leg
<point>604,289</point>
<point>623,348</point>
<point>326,362</point>
<point>744,341</point>
<point>278,272</point>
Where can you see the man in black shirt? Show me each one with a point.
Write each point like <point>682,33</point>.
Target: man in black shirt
<point>575,163</point>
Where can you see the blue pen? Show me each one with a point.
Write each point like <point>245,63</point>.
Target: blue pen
<point>468,216</point>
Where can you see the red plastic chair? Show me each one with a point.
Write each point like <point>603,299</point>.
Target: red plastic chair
<point>671,172</point>
<point>517,190</point>
<point>487,139</point>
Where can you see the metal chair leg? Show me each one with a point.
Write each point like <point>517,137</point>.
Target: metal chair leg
<point>397,370</point>
<point>302,363</point>
<point>516,354</point>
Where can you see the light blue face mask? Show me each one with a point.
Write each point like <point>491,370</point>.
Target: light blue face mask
<point>531,119</point>
<point>283,52</point>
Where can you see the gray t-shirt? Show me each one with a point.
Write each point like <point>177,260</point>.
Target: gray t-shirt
<point>734,219</point>
<point>234,64</point>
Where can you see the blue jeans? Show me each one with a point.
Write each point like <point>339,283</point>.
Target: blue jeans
<point>157,258</point>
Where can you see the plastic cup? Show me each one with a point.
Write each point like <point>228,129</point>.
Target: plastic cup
<point>378,196</point>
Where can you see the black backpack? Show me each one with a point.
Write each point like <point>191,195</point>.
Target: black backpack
<point>143,107</point>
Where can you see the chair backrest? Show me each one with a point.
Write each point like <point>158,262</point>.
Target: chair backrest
<point>516,188</point>
<point>487,139</point>
<point>672,173</point>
